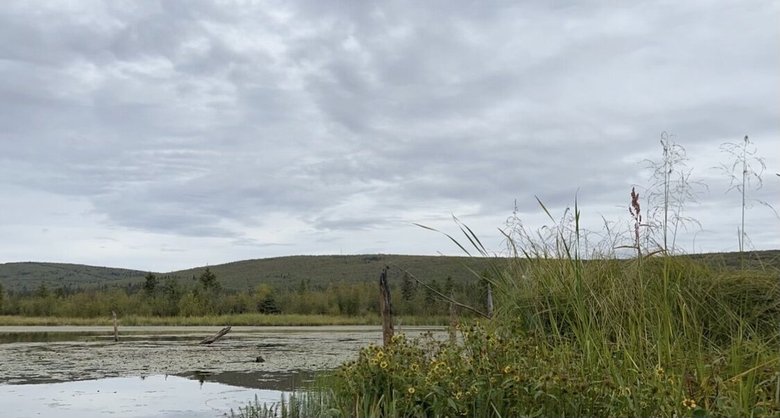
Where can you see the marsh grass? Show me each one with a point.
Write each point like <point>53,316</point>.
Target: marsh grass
<point>246,319</point>
<point>651,336</point>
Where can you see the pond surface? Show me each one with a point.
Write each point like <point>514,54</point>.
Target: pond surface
<point>163,371</point>
<point>129,397</point>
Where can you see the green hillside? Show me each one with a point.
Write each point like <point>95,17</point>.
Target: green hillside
<point>241,275</point>
<point>290,271</point>
<point>760,260</point>
<point>321,270</point>
<point>30,275</point>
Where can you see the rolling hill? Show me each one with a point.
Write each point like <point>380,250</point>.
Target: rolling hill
<point>241,275</point>
<point>290,271</point>
<point>30,275</point>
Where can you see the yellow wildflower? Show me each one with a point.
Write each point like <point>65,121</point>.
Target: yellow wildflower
<point>507,369</point>
<point>689,403</point>
<point>410,390</point>
<point>383,364</point>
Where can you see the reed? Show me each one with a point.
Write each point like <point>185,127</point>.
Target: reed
<point>650,336</point>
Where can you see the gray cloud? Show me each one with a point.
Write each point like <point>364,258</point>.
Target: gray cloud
<point>246,122</point>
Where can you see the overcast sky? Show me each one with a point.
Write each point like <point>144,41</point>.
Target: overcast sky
<point>161,135</point>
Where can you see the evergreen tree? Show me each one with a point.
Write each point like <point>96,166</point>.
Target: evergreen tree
<point>431,298</point>
<point>208,280</point>
<point>150,284</point>
<point>268,305</point>
<point>448,286</point>
<point>408,286</point>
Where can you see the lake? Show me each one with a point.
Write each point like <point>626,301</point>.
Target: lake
<point>156,371</point>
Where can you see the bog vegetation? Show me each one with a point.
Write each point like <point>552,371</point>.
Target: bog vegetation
<point>578,332</point>
<point>654,336</point>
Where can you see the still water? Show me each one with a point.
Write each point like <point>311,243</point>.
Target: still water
<point>128,397</point>
<point>66,372</point>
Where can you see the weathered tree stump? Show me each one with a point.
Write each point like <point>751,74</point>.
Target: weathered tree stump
<point>386,308</point>
<point>216,336</point>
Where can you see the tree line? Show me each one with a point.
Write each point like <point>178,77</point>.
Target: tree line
<point>203,295</point>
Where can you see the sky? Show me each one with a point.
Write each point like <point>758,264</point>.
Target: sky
<point>162,135</point>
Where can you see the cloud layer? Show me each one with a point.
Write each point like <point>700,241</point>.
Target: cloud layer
<point>166,134</point>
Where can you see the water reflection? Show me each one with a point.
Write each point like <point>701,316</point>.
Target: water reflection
<point>130,397</point>
<point>280,381</point>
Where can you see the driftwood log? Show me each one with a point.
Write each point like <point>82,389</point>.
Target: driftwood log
<point>216,336</point>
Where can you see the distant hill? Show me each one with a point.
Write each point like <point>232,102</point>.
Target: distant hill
<point>30,275</point>
<point>240,275</point>
<point>768,259</point>
<point>321,270</point>
<point>290,271</point>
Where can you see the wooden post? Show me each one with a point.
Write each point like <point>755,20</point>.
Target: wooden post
<point>386,308</point>
<point>116,328</point>
<point>453,321</point>
<point>489,301</point>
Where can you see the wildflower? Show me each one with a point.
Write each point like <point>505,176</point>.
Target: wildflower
<point>415,367</point>
<point>383,364</point>
<point>410,390</point>
<point>458,395</point>
<point>507,369</point>
<point>625,391</point>
<point>380,354</point>
<point>659,371</point>
<point>689,403</point>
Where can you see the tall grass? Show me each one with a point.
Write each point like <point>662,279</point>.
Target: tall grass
<point>650,336</point>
